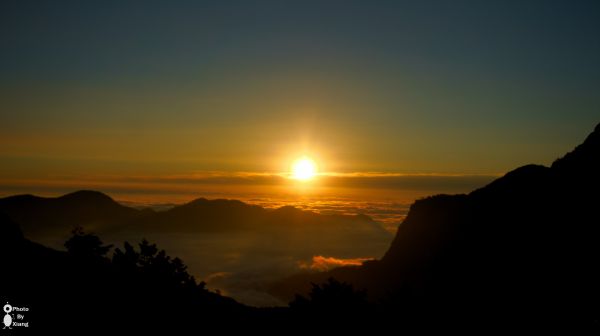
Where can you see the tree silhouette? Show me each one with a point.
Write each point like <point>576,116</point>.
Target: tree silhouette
<point>86,245</point>
<point>153,264</point>
<point>331,297</point>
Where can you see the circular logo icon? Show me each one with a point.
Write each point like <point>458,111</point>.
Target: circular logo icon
<point>7,308</point>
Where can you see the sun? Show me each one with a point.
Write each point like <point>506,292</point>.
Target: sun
<point>304,169</point>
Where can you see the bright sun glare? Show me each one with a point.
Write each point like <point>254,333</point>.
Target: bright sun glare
<point>304,169</point>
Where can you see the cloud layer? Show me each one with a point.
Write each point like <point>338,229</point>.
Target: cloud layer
<point>321,263</point>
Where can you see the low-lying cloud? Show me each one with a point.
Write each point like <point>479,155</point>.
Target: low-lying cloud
<point>321,263</point>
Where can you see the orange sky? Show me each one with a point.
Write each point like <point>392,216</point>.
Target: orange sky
<point>100,94</point>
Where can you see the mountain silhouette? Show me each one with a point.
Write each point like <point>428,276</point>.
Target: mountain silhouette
<point>221,215</point>
<point>522,250</point>
<point>38,216</point>
<point>203,215</point>
<point>42,217</point>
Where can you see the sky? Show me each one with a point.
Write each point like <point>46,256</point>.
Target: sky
<point>182,98</point>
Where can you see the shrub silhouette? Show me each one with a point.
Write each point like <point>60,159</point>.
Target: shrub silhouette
<point>154,265</point>
<point>86,245</point>
<point>143,278</point>
<point>332,297</point>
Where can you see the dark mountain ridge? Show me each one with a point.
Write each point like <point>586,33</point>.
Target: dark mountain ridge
<point>523,249</point>
<point>93,210</point>
<point>45,215</point>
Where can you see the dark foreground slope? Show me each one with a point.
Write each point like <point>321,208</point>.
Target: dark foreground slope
<point>139,289</point>
<point>524,249</point>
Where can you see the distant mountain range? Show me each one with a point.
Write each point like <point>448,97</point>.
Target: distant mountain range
<point>524,248</point>
<point>38,216</point>
<point>94,211</point>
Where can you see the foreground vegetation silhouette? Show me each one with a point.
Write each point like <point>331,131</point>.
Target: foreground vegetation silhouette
<point>82,287</point>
